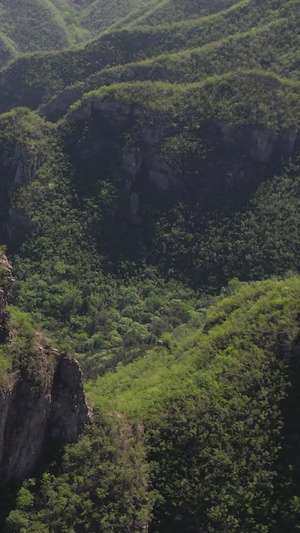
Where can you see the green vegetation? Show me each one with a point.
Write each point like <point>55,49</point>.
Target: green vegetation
<point>17,353</point>
<point>215,407</point>
<point>175,170</point>
<point>36,26</point>
<point>7,50</point>
<point>203,233</point>
<point>100,15</point>
<point>216,413</point>
<point>56,24</point>
<point>242,98</point>
<point>174,10</point>
<point>39,77</point>
<point>241,51</point>
<point>79,298</point>
<point>109,494</point>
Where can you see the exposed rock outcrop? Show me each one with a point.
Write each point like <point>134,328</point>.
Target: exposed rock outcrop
<point>35,409</point>
<point>59,104</point>
<point>217,164</point>
<point>6,280</point>
<point>221,162</point>
<point>18,167</point>
<point>43,403</point>
<point>139,157</point>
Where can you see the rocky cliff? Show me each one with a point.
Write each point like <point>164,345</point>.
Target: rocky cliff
<point>215,162</point>
<point>41,403</point>
<point>18,166</point>
<point>148,155</point>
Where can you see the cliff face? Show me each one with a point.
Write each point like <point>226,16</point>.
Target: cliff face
<point>6,281</point>
<point>32,413</point>
<point>38,405</point>
<point>221,163</point>
<point>18,167</point>
<point>147,157</point>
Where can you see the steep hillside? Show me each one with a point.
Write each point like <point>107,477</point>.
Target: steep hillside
<point>242,51</point>
<point>158,164</point>
<point>166,11</point>
<point>100,15</point>
<point>57,24</point>
<point>219,411</point>
<point>216,408</point>
<point>34,26</point>
<point>36,78</point>
<point>180,157</point>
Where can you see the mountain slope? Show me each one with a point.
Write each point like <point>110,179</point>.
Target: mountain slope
<point>100,15</point>
<point>36,26</point>
<point>166,11</point>
<point>178,178</point>
<point>218,407</point>
<point>256,49</point>
<point>175,170</point>
<point>34,79</point>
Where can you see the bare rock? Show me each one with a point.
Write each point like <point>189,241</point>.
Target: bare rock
<point>43,403</point>
<point>36,408</point>
<point>68,407</point>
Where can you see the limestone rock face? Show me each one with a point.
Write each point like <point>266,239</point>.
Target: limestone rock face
<point>261,144</point>
<point>58,105</point>
<point>140,157</point>
<point>130,141</point>
<point>253,153</point>
<point>38,405</point>
<point>68,407</point>
<point>128,145</point>
<point>17,167</point>
<point>36,409</point>
<point>16,227</point>
<point>6,281</point>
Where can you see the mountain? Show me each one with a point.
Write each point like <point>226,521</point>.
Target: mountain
<point>149,203</point>
<point>223,45</point>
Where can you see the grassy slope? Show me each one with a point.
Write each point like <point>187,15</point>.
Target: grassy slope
<point>240,98</point>
<point>265,47</point>
<point>175,10</point>
<point>37,25</point>
<point>137,389</point>
<point>261,48</point>
<point>219,393</point>
<point>101,14</point>
<point>55,24</point>
<point>38,77</point>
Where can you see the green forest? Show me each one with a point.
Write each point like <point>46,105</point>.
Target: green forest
<point>150,230</point>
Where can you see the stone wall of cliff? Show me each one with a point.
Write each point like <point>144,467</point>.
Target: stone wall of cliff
<point>43,403</point>
<point>107,138</point>
<point>222,163</point>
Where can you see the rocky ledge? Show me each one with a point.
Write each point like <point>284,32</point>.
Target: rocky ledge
<point>43,404</point>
